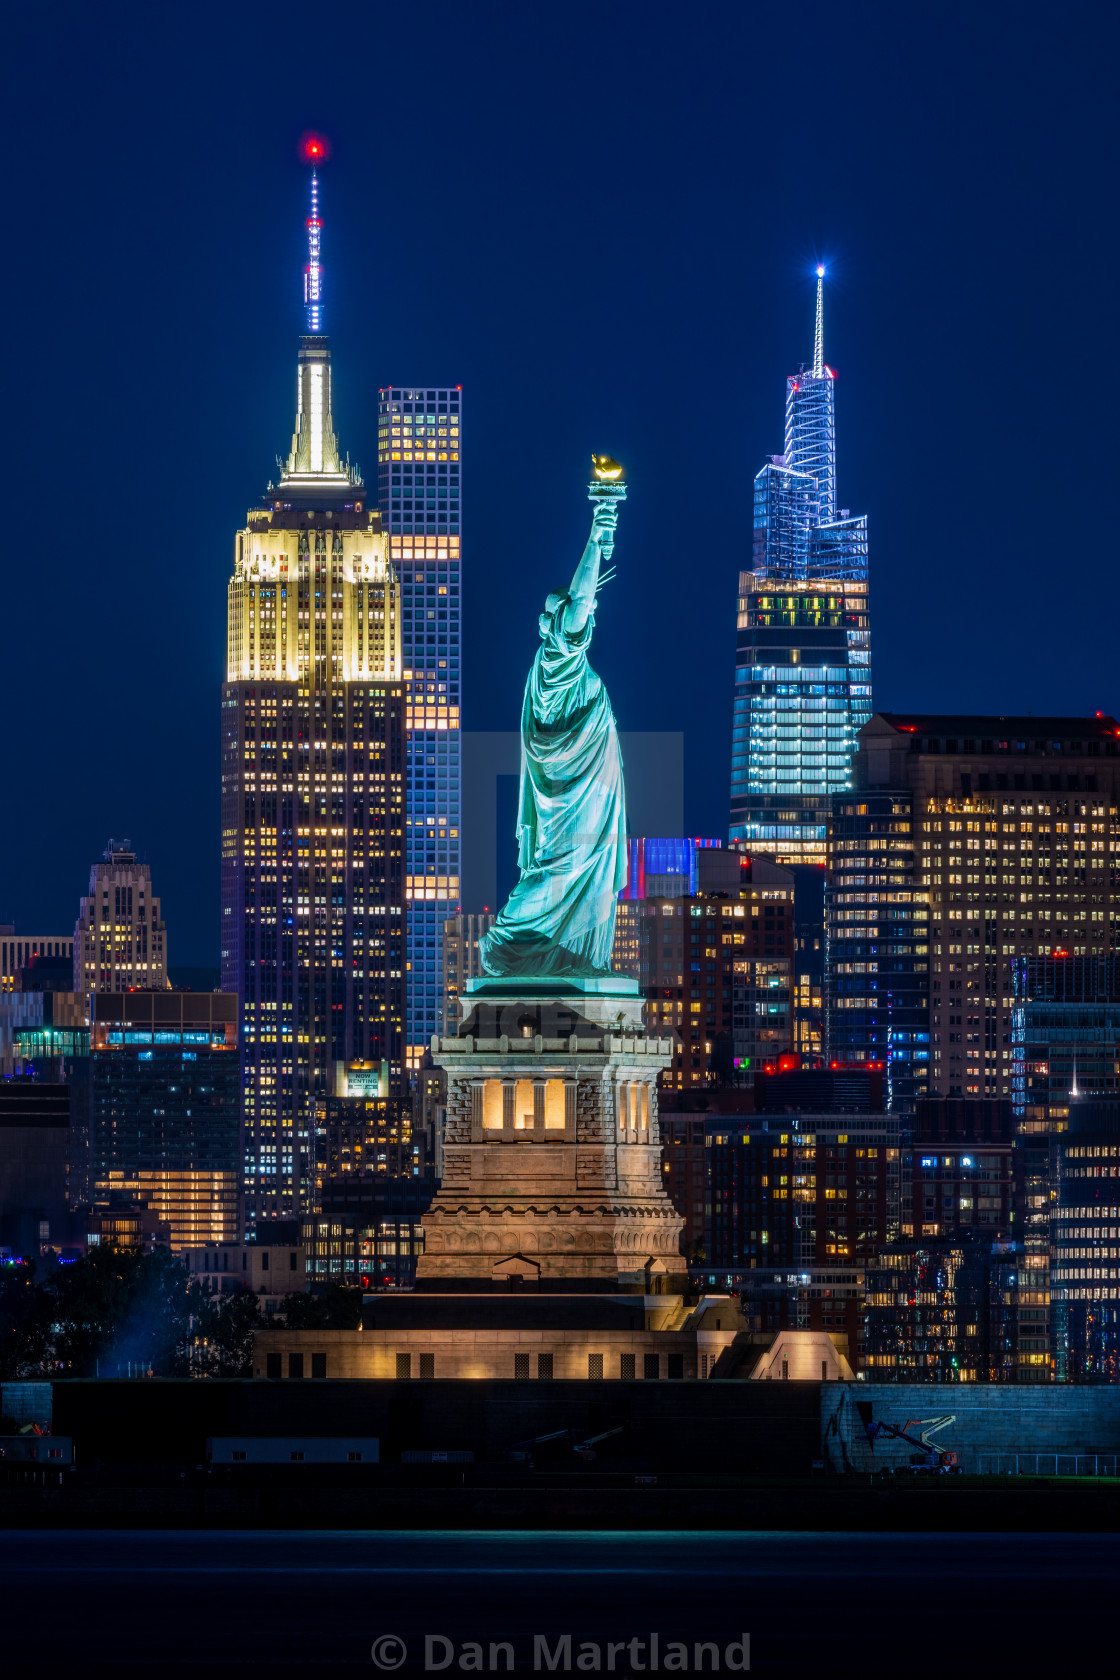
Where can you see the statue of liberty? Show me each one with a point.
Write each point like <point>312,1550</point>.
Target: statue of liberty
<point>571,819</point>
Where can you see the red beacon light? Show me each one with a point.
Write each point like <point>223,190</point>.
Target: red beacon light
<point>313,148</point>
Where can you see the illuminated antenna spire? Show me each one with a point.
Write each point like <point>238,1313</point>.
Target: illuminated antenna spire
<point>1074,1090</point>
<point>818,330</point>
<point>315,151</point>
<point>313,274</point>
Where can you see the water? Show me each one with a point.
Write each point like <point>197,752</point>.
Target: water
<point>316,1602</point>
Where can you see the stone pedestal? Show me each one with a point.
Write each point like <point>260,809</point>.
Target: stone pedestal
<point>552,1155</point>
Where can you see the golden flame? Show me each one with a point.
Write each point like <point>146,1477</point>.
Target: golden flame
<point>605,467</point>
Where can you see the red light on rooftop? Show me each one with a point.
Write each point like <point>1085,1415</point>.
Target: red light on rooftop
<point>910,728</point>
<point>313,148</point>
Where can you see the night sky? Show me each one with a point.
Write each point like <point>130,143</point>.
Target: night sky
<point>602,221</point>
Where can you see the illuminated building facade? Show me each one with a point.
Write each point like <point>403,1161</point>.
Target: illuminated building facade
<point>1071,1020</point>
<point>949,1311</point>
<point>363,1134</point>
<point>369,1231</point>
<point>684,1165</point>
<point>21,950</point>
<point>41,1032</point>
<point>156,1107</point>
<point>803,660</point>
<point>959,1171</point>
<point>827,1298</point>
<point>877,944</point>
<point>810,1029</point>
<point>418,465</point>
<point>120,940</point>
<point>672,868</point>
<point>965,1184</point>
<point>761,1015</point>
<point>800,1190</point>
<point>926,1311</point>
<point>461,962</point>
<point>312,798</point>
<point>1085,1244</point>
<point>796,713</point>
<point>1016,831</point>
<point>714,967</point>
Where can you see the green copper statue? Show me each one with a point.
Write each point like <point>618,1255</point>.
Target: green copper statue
<point>571,819</point>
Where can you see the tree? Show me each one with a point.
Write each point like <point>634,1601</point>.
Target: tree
<point>339,1309</point>
<point>118,1308</point>
<point>225,1326</point>
<point>25,1324</point>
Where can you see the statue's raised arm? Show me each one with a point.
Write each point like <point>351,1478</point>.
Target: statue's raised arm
<point>571,820</point>
<point>585,583</point>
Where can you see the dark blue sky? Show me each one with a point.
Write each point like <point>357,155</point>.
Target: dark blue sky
<point>601,221</point>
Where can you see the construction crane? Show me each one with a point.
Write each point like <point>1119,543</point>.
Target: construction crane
<point>930,1456</point>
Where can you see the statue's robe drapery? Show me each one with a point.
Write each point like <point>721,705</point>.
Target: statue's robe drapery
<point>571,820</point>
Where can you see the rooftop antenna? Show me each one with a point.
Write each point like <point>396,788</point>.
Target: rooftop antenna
<point>314,150</point>
<point>1074,1092</point>
<point>818,329</point>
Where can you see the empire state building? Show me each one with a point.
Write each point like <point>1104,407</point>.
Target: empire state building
<point>312,794</point>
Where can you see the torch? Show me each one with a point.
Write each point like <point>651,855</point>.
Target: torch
<point>607,485</point>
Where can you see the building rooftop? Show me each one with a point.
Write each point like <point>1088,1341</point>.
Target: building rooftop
<point>1027,728</point>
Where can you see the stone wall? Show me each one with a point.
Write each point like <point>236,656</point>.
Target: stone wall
<point>993,1423</point>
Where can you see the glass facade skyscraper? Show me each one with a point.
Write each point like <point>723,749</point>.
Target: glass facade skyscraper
<point>877,943</point>
<point>418,476</point>
<point>803,661</point>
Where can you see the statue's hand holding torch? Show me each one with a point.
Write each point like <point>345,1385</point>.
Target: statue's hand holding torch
<point>606,490</point>
<point>604,523</point>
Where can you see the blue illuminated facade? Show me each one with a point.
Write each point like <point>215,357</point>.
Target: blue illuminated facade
<point>803,660</point>
<point>419,483</point>
<point>651,860</point>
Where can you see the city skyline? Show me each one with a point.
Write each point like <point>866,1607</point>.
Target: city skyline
<point>575,546</point>
<point>650,350</point>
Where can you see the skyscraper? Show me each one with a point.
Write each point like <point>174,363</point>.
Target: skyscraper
<point>803,664</point>
<point>461,962</point>
<point>20,951</point>
<point>312,792</point>
<point>119,941</point>
<point>418,437</point>
<point>969,845</point>
<point>155,1104</point>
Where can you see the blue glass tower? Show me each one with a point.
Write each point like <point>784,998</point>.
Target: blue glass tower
<point>418,437</point>
<point>803,665</point>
